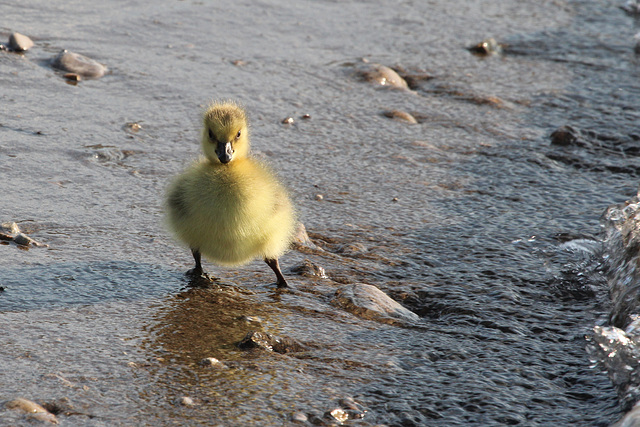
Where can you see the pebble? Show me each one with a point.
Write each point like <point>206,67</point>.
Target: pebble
<point>213,362</point>
<point>9,228</point>
<point>11,232</point>
<point>22,239</point>
<point>486,47</point>
<point>133,126</point>
<point>383,76</point>
<point>265,341</point>
<point>309,269</point>
<point>79,64</point>
<point>564,135</point>
<point>306,116</point>
<point>186,401</point>
<point>32,409</point>
<point>339,414</point>
<point>369,302</point>
<point>287,121</point>
<point>72,77</point>
<point>352,249</point>
<point>19,42</point>
<point>299,417</point>
<point>400,116</point>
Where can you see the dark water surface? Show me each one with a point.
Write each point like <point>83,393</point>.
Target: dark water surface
<point>471,218</point>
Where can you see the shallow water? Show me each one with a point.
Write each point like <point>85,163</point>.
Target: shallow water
<point>470,218</point>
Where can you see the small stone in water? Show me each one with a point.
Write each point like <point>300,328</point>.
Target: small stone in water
<point>78,64</point>
<point>383,75</point>
<point>133,126</point>
<point>486,47</point>
<point>9,228</point>
<point>251,319</point>
<point>369,302</point>
<point>564,135</point>
<point>22,239</point>
<point>400,116</point>
<point>339,414</point>
<point>19,42</point>
<point>306,116</point>
<point>186,401</point>
<point>72,77</point>
<point>348,403</point>
<point>287,121</point>
<point>262,340</point>
<point>309,269</point>
<point>299,417</point>
<point>32,409</point>
<point>212,361</point>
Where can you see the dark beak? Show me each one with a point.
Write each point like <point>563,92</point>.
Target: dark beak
<point>224,151</point>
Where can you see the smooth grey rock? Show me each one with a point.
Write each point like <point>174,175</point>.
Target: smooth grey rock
<point>19,42</point>
<point>79,64</point>
<point>369,302</point>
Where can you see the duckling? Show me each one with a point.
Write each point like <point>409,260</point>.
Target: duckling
<point>229,206</point>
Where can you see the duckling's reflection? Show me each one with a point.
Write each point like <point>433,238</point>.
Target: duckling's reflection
<point>208,318</point>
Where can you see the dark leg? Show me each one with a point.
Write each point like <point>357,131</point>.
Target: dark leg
<point>275,266</point>
<point>197,270</point>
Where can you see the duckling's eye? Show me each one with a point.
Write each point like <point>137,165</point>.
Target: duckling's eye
<point>238,135</point>
<point>211,136</point>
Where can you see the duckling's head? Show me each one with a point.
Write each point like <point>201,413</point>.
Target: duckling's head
<point>226,133</point>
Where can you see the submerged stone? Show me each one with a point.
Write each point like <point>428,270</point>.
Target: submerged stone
<point>213,362</point>
<point>308,269</point>
<point>564,135</point>
<point>79,64</point>
<point>369,302</point>
<point>265,341</point>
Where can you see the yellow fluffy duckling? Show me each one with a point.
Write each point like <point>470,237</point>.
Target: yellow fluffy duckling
<point>227,206</point>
